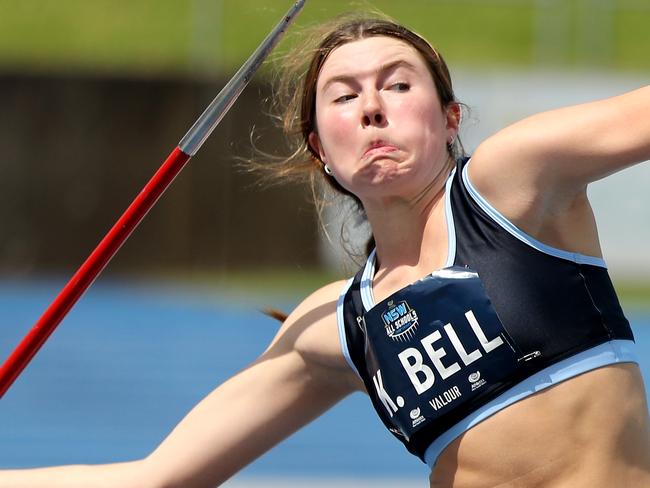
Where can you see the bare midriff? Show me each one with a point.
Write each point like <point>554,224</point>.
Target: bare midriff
<point>590,431</point>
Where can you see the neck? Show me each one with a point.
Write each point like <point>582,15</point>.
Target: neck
<point>411,233</point>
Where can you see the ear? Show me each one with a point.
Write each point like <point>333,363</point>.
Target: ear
<point>453,114</point>
<point>314,143</point>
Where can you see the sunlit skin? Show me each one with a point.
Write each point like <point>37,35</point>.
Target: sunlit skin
<point>380,124</point>
<point>383,132</point>
<point>381,129</point>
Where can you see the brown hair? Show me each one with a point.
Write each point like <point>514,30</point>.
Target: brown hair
<point>295,98</point>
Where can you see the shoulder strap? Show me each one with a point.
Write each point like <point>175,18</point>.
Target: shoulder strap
<point>355,334</point>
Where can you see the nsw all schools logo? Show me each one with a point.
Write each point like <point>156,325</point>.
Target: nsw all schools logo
<point>400,321</point>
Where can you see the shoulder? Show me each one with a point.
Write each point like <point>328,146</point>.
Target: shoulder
<point>528,196</point>
<point>557,153</point>
<point>311,331</point>
<point>523,187</point>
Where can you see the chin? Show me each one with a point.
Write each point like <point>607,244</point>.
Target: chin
<point>382,176</point>
<point>384,170</point>
<point>385,184</point>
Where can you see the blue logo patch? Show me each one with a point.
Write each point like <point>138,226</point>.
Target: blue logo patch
<point>400,321</point>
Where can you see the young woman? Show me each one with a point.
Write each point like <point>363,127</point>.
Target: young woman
<point>484,326</point>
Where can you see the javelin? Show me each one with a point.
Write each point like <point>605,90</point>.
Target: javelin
<point>109,245</point>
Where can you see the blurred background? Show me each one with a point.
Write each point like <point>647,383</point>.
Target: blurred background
<point>95,94</point>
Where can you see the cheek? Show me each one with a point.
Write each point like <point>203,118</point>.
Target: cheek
<point>425,123</point>
<point>335,129</point>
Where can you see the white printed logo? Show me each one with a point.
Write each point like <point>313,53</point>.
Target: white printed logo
<point>400,321</point>
<point>416,417</point>
<point>476,380</point>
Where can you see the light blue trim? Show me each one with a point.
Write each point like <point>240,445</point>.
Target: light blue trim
<point>340,322</point>
<point>451,229</point>
<point>367,297</point>
<point>524,237</point>
<point>616,351</point>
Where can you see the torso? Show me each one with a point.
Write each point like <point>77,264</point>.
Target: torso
<point>595,436</point>
<point>575,434</point>
<point>567,435</point>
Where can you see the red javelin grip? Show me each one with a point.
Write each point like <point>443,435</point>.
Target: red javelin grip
<point>99,258</point>
<point>89,270</point>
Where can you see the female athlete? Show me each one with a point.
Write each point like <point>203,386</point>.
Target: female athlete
<point>483,327</point>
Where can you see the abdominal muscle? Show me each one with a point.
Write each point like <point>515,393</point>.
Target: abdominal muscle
<point>590,431</point>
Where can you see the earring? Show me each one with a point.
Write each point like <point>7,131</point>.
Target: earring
<point>327,170</point>
<point>450,145</point>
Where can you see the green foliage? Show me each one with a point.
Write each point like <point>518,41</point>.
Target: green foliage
<point>634,295</point>
<point>632,48</point>
<point>483,34</point>
<point>187,37</point>
<point>137,36</point>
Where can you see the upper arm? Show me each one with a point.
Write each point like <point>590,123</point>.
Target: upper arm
<point>300,375</point>
<point>563,150</point>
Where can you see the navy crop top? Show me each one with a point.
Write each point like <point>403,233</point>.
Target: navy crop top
<point>506,316</point>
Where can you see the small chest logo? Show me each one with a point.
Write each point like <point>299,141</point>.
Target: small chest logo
<point>416,417</point>
<point>476,380</point>
<point>400,321</point>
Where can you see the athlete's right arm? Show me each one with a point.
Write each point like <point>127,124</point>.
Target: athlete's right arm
<point>300,375</point>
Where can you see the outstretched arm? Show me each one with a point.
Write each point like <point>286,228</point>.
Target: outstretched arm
<point>297,378</point>
<point>563,150</point>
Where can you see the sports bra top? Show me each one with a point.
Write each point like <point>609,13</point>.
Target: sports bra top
<point>447,351</point>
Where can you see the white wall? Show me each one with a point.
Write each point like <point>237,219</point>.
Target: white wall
<point>621,202</point>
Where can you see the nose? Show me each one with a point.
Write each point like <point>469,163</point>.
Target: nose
<point>373,111</point>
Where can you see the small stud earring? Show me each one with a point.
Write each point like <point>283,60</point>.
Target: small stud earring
<point>327,170</point>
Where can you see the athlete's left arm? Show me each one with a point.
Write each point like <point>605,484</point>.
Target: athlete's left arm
<point>568,148</point>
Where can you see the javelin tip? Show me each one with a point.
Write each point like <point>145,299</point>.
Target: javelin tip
<point>297,7</point>
<point>210,118</point>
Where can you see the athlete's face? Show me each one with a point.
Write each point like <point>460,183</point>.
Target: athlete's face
<point>380,126</point>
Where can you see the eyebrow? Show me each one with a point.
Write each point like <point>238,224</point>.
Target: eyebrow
<point>391,66</point>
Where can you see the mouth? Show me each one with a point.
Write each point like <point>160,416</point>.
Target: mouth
<point>379,147</point>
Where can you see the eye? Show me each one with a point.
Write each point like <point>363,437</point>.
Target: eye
<point>345,98</point>
<point>400,87</point>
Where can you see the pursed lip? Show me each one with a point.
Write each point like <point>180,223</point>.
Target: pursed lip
<point>379,147</point>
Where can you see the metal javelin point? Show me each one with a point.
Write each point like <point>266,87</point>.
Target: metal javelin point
<point>212,115</point>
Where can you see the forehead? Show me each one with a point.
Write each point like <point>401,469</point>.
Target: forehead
<point>369,55</point>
